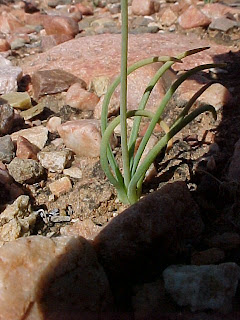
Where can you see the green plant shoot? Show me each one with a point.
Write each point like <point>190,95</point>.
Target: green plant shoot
<point>128,181</point>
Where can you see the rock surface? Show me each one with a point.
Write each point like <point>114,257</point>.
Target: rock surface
<point>83,137</point>
<point>60,279</point>
<point>143,231</point>
<point>36,135</point>
<point>6,149</point>
<point>17,220</point>
<point>203,287</point>
<point>6,118</point>
<point>25,170</point>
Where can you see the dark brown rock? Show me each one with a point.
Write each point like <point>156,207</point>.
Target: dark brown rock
<point>149,233</point>
<point>53,81</point>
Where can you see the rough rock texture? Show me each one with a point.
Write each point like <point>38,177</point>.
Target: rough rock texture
<point>6,149</point>
<point>54,161</point>
<point>36,135</point>
<point>17,220</point>
<point>52,81</point>
<point>79,98</point>
<point>25,170</point>
<point>79,57</point>
<point>82,136</point>
<point>9,78</point>
<point>60,186</point>
<point>139,236</point>
<point>86,229</point>
<point>25,149</point>
<point>18,100</point>
<point>143,7</point>
<point>60,25</point>
<point>6,118</point>
<point>60,279</point>
<point>203,287</point>
<point>192,18</point>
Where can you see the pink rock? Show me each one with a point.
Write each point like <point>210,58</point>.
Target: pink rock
<point>36,135</point>
<point>53,81</point>
<point>168,17</point>
<point>4,45</point>
<point>94,48</point>
<point>143,7</point>
<point>217,10</point>
<point>47,42</point>
<point>83,137</point>
<point>9,23</point>
<point>60,279</point>
<point>85,228</point>
<point>113,108</point>
<point>79,98</point>
<point>85,10</point>
<point>9,78</point>
<point>60,186</point>
<point>53,124</point>
<point>61,25</point>
<point>25,149</point>
<point>34,19</point>
<point>138,238</point>
<point>193,18</point>
<point>216,95</point>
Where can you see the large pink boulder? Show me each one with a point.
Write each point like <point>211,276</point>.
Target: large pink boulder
<point>79,57</point>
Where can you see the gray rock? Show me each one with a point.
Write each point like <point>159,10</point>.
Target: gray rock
<point>203,287</point>
<point>6,118</point>
<point>149,232</point>
<point>222,24</point>
<point>25,170</point>
<point>6,149</point>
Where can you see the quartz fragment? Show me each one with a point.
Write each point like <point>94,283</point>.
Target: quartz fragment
<point>54,161</point>
<point>9,78</point>
<point>36,135</point>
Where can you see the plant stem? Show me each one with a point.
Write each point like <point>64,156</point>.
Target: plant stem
<point>123,93</point>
